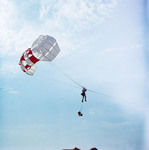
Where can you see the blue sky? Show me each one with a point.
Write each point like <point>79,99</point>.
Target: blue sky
<point>103,47</point>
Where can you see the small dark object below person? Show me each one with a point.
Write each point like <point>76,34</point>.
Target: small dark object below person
<point>80,114</point>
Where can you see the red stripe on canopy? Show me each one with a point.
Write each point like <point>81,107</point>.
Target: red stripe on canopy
<point>32,58</point>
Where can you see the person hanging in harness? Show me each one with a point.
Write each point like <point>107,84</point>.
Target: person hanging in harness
<point>84,94</point>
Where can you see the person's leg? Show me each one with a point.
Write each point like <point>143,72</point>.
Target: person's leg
<point>85,98</point>
<point>82,98</point>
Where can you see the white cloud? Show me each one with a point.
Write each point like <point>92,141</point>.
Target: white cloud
<point>76,15</point>
<point>132,47</point>
<point>56,18</point>
<point>65,19</point>
<point>7,13</point>
<point>10,90</point>
<point>10,37</point>
<point>13,92</point>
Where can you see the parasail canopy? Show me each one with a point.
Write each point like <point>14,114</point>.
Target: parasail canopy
<point>44,48</point>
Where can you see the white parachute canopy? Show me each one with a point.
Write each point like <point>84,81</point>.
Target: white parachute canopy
<point>44,48</point>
